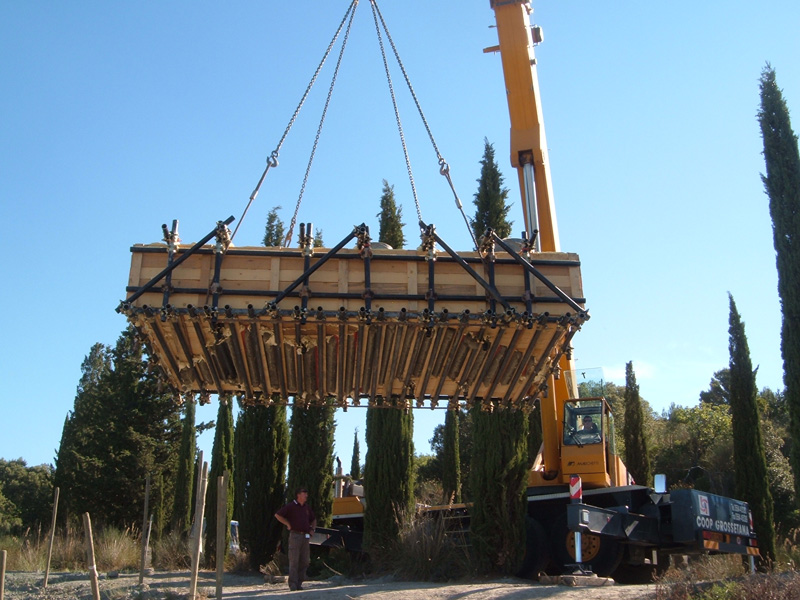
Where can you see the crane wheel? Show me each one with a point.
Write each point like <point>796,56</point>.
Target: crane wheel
<point>602,554</point>
<point>537,553</point>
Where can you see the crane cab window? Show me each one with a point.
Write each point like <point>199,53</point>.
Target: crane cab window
<point>583,422</point>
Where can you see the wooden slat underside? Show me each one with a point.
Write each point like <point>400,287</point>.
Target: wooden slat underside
<point>330,340</point>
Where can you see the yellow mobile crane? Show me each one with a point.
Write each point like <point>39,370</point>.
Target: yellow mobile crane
<point>622,524</point>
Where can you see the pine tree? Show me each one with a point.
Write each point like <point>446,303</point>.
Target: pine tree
<point>221,462</point>
<point>390,219</point>
<point>388,472</point>
<point>491,210</point>
<point>262,448</point>
<point>76,437</point>
<point>311,457</point>
<point>274,232</point>
<point>182,506</point>
<point>637,454</point>
<point>355,463</point>
<point>782,184</point>
<point>121,428</point>
<point>499,467</point>
<point>718,393</point>
<point>318,243</point>
<point>749,458</point>
<point>451,465</point>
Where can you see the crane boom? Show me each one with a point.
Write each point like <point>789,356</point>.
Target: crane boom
<point>529,156</point>
<point>528,140</point>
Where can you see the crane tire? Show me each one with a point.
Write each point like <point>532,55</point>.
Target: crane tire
<point>602,554</point>
<point>537,552</point>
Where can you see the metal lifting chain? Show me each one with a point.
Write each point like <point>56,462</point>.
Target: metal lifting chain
<point>288,239</point>
<point>272,160</point>
<point>444,168</point>
<point>396,111</point>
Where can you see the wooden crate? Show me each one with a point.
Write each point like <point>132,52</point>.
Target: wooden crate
<point>421,331</point>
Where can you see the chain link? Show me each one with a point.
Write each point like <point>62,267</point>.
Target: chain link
<point>396,111</point>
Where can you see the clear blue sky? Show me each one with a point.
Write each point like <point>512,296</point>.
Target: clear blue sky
<point>119,116</point>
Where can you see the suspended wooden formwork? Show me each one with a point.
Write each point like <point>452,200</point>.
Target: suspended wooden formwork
<point>310,324</point>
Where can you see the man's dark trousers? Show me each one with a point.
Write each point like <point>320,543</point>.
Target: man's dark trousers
<point>299,559</point>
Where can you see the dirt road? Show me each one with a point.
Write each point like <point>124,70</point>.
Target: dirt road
<point>175,586</point>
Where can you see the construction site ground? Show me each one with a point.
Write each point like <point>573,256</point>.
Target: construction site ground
<point>174,585</point>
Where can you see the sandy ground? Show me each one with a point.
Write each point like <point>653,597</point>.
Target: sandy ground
<point>175,586</point>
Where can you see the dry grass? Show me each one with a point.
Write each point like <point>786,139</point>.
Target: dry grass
<point>237,562</point>
<point>725,577</point>
<point>117,550</point>
<point>788,552</point>
<point>428,551</point>
<point>171,553</point>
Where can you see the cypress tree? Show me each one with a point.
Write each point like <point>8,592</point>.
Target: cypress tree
<point>534,434</point>
<point>274,230</point>
<point>749,458</point>
<point>464,452</point>
<point>388,472</point>
<point>637,454</point>
<point>311,457</point>
<point>389,467</point>
<point>390,219</point>
<point>261,446</point>
<point>451,463</point>
<point>182,506</point>
<point>491,210</point>
<point>355,463</point>
<point>499,466</point>
<point>221,461</point>
<point>782,184</point>
<point>500,439</point>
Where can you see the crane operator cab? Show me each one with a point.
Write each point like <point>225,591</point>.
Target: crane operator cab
<point>588,443</point>
<point>584,422</point>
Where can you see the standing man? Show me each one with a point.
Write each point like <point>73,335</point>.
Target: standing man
<point>301,522</point>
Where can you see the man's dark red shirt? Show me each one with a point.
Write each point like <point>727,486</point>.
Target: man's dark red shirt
<point>300,516</point>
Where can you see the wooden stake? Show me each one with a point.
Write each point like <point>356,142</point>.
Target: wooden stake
<point>197,481</point>
<point>147,537</point>
<point>144,528</point>
<point>3,556</point>
<point>197,528</point>
<point>87,526</point>
<point>222,517</point>
<point>52,538</point>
